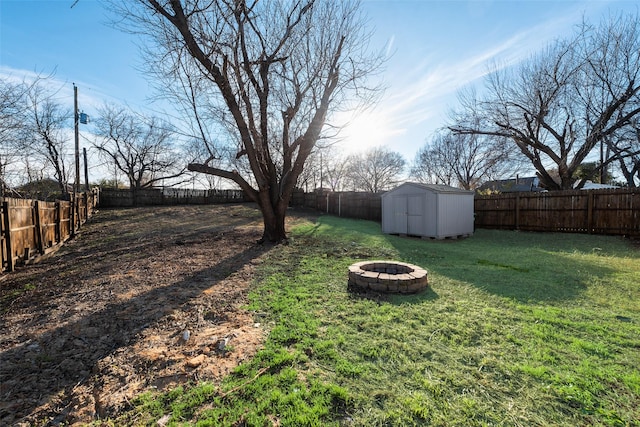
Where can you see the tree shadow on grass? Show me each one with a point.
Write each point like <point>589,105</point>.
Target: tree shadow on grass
<point>119,238</point>
<point>427,294</point>
<point>526,267</point>
<point>74,350</point>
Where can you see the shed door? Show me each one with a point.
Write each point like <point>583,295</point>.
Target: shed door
<point>407,214</point>
<point>415,215</point>
<point>399,214</point>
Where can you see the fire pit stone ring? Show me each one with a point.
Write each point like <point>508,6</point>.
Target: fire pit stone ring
<point>387,276</point>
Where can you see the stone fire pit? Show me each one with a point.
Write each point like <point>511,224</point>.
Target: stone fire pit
<point>387,276</point>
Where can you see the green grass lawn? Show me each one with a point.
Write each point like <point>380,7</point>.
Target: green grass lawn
<point>516,329</point>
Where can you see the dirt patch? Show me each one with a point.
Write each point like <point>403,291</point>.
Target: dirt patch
<point>143,299</point>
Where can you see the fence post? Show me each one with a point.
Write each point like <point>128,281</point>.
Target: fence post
<point>96,199</point>
<point>58,221</point>
<point>589,211</point>
<point>86,206</point>
<point>38,231</point>
<point>79,209</point>
<point>2,242</point>
<point>7,235</point>
<point>517,207</point>
<point>72,215</point>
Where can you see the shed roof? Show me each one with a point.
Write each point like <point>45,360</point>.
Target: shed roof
<point>434,188</point>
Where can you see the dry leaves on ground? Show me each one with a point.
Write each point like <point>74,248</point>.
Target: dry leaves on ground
<point>143,299</point>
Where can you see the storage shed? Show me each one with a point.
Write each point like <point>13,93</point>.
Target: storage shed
<point>427,210</point>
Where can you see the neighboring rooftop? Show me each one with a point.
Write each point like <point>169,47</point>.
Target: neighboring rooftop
<point>519,184</point>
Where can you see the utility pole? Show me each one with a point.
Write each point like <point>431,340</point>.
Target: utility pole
<point>76,186</point>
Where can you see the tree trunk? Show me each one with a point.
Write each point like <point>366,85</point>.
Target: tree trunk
<point>273,217</point>
<point>274,230</point>
<point>246,75</point>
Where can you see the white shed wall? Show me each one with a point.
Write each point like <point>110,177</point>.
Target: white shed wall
<point>455,215</point>
<point>418,210</point>
<point>399,213</point>
<point>388,224</point>
<point>431,215</point>
<point>415,214</point>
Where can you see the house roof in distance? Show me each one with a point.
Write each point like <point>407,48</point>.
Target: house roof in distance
<point>520,184</point>
<point>590,185</point>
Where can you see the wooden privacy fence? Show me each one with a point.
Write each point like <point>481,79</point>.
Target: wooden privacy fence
<point>350,204</point>
<point>615,212</point>
<point>112,198</point>
<point>31,228</point>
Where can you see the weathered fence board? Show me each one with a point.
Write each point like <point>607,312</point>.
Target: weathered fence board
<point>32,227</point>
<point>615,212</point>
<point>349,204</point>
<point>28,227</point>
<point>111,198</point>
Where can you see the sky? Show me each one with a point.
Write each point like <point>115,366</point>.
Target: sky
<point>436,48</point>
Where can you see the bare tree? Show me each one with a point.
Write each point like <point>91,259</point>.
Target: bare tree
<point>336,171</point>
<point>139,147</point>
<point>614,58</point>
<point>375,170</point>
<point>200,121</point>
<point>312,176</point>
<point>274,72</point>
<point>626,152</point>
<point>12,109</point>
<point>326,167</point>
<point>432,163</point>
<point>48,137</point>
<point>194,150</point>
<point>558,105</point>
<point>462,159</point>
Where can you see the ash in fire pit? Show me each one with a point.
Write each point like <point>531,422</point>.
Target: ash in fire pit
<point>387,276</point>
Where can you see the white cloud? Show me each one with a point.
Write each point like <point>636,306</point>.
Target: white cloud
<point>426,90</point>
<point>89,97</point>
